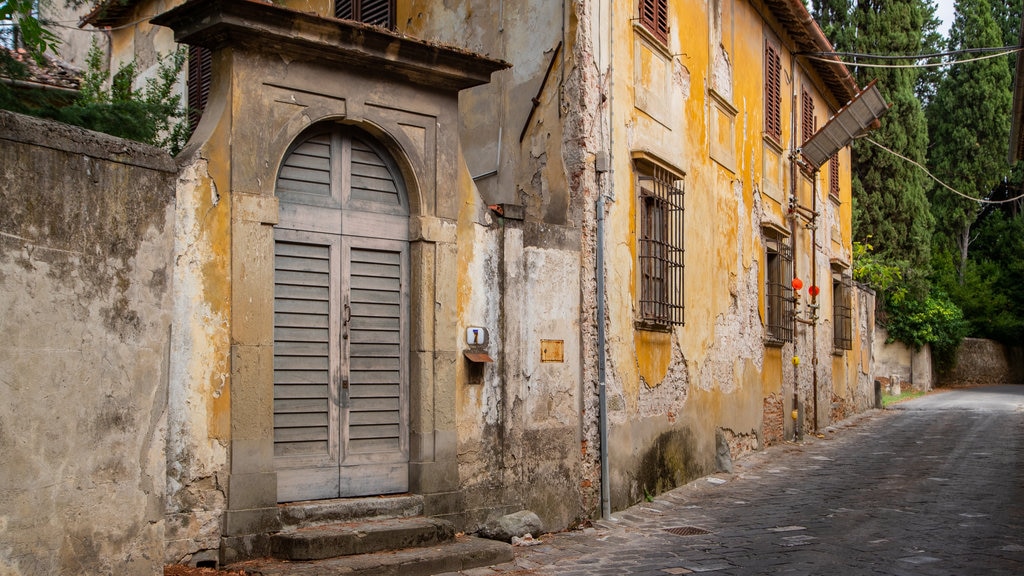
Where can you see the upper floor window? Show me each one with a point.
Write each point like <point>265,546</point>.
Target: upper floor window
<point>808,123</point>
<point>833,176</point>
<point>200,75</point>
<point>660,246</point>
<point>376,12</point>
<point>778,290</point>
<point>772,91</point>
<point>842,310</point>
<point>654,17</point>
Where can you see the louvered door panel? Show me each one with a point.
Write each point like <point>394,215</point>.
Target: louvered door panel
<point>306,175</point>
<point>376,356</point>
<point>303,367</point>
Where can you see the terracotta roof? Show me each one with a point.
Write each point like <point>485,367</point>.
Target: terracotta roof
<point>53,73</point>
<point>802,28</point>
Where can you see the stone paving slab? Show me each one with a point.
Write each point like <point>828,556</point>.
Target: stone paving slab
<point>890,492</point>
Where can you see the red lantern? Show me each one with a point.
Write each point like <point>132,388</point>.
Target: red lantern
<point>797,284</point>
<point>814,290</point>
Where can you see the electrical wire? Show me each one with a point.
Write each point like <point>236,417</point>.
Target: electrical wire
<point>912,57</point>
<point>924,65</point>
<point>947,186</point>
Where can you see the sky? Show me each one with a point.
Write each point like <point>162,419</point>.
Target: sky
<point>944,10</point>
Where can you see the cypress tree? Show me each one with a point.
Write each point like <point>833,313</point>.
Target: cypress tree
<point>970,125</point>
<point>890,207</point>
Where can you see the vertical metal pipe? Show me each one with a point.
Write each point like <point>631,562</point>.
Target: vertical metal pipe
<point>606,488</point>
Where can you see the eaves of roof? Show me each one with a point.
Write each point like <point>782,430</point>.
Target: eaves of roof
<point>807,35</point>
<point>108,13</point>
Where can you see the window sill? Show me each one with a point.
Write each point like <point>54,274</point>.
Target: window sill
<point>650,326</point>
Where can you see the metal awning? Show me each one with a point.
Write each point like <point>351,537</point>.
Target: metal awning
<point>853,120</point>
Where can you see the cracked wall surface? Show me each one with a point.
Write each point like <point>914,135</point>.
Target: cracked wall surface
<point>86,238</point>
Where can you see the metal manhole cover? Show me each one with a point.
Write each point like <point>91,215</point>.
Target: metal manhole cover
<point>687,531</point>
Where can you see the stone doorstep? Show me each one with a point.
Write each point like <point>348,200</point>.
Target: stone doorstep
<point>322,512</point>
<point>330,541</point>
<point>462,553</point>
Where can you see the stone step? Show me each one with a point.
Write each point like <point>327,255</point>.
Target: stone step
<point>323,512</point>
<point>365,537</point>
<point>462,553</point>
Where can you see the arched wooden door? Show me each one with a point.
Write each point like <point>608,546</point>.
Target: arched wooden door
<point>341,298</point>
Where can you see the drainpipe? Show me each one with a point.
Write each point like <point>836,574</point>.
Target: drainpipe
<point>794,201</point>
<point>814,299</point>
<point>606,488</point>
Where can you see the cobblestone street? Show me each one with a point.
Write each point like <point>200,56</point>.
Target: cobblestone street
<point>933,487</point>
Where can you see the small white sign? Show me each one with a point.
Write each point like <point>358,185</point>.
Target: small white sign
<point>476,336</point>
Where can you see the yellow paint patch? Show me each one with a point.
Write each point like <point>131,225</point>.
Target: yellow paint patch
<point>653,355</point>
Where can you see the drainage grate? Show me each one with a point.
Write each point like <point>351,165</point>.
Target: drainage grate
<point>687,531</point>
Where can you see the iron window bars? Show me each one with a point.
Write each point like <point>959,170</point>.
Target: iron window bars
<point>661,247</point>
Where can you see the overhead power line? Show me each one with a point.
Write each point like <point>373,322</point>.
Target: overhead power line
<point>947,186</point>
<point>1004,52</point>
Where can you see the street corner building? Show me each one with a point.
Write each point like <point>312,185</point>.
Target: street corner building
<point>494,256</point>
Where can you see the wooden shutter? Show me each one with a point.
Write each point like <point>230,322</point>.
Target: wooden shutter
<point>772,91</point>
<point>808,123</point>
<point>376,12</point>
<point>654,17</point>
<point>200,76</point>
<point>833,172</point>
<point>304,363</point>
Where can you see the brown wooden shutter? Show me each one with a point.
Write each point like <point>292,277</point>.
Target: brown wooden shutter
<point>200,75</point>
<point>807,122</point>
<point>654,17</point>
<point>376,12</point>
<point>772,91</point>
<point>833,173</point>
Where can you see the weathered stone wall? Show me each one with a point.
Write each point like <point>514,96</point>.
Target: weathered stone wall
<point>980,361</point>
<point>897,364</point>
<point>85,291</point>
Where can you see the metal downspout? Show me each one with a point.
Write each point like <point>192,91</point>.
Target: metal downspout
<point>814,299</point>
<point>794,201</point>
<point>606,488</point>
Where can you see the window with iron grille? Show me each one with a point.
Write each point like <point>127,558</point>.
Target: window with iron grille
<point>833,174</point>
<point>660,247</point>
<point>654,17</point>
<point>772,91</point>
<point>778,290</point>
<point>376,12</point>
<point>200,75</point>
<point>842,311</point>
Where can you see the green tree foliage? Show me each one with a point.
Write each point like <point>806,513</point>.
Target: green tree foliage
<point>152,114</point>
<point>970,125</point>
<point>917,320</point>
<point>835,19</point>
<point>889,194</point>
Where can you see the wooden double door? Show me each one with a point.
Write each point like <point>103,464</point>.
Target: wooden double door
<point>340,320</point>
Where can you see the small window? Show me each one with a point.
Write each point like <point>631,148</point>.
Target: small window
<point>778,289</point>
<point>660,247</point>
<point>842,310</point>
<point>808,123</point>
<point>772,92</point>
<point>376,12</point>
<point>833,175</point>
<point>200,75</point>
<point>654,17</point>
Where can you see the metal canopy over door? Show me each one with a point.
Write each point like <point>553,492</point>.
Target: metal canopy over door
<point>340,310</point>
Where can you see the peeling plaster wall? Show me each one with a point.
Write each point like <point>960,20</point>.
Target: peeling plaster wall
<point>519,417</point>
<point>86,238</point>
